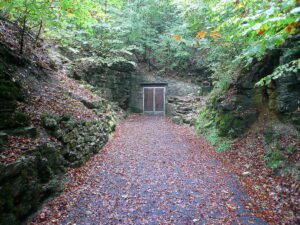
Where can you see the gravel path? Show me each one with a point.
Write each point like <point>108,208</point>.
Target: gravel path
<point>151,172</point>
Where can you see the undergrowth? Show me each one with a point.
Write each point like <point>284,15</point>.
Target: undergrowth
<point>279,153</point>
<point>205,126</point>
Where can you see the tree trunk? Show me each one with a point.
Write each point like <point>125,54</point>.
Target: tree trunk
<point>22,36</point>
<point>39,32</point>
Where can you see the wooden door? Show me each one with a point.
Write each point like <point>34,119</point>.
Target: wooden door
<point>148,99</point>
<point>154,100</point>
<point>159,100</point>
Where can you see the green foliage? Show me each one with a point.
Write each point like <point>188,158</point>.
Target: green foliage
<point>171,54</point>
<point>287,69</point>
<point>275,158</point>
<point>230,33</point>
<point>249,27</point>
<point>206,126</point>
<point>215,139</point>
<point>205,121</point>
<point>279,152</point>
<point>55,14</point>
<point>291,149</point>
<point>149,25</point>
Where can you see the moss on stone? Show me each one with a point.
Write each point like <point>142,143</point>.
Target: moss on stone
<point>13,120</point>
<point>10,91</point>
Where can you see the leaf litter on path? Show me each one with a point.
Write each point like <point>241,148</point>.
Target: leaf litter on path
<point>152,172</point>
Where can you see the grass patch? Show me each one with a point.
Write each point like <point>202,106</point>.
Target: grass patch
<point>275,159</point>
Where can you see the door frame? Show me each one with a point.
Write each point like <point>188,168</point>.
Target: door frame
<point>164,93</point>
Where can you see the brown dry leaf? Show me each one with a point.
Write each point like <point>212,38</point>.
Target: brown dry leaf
<point>201,34</point>
<point>177,37</point>
<point>215,34</point>
<point>261,31</point>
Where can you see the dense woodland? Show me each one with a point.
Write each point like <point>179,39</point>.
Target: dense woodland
<point>246,51</point>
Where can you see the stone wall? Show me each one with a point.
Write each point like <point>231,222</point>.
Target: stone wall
<point>185,109</point>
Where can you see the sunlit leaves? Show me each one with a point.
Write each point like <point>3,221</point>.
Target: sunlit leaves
<point>251,23</point>
<point>56,15</point>
<point>296,11</point>
<point>215,34</point>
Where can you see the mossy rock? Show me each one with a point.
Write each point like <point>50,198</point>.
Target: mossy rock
<point>10,91</point>
<point>50,122</point>
<point>123,66</point>
<point>13,120</point>
<point>234,125</point>
<point>288,94</point>
<point>20,188</point>
<point>177,120</point>
<point>296,120</point>
<point>8,106</point>
<point>59,133</point>
<point>225,122</point>
<point>3,139</point>
<point>8,218</point>
<point>23,132</point>
<point>89,104</point>
<point>55,185</point>
<point>52,154</point>
<point>135,110</point>
<point>112,124</point>
<point>69,125</point>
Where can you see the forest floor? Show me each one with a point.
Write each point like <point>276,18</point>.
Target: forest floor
<point>152,172</point>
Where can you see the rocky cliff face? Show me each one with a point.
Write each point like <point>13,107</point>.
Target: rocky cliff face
<point>109,81</point>
<point>240,107</point>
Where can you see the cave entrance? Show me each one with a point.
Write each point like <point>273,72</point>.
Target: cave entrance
<point>154,99</point>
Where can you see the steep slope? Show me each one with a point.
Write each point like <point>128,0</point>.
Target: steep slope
<point>260,126</point>
<point>49,122</point>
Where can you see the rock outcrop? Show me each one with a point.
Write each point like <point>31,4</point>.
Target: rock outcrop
<point>48,123</point>
<point>234,112</point>
<point>109,81</point>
